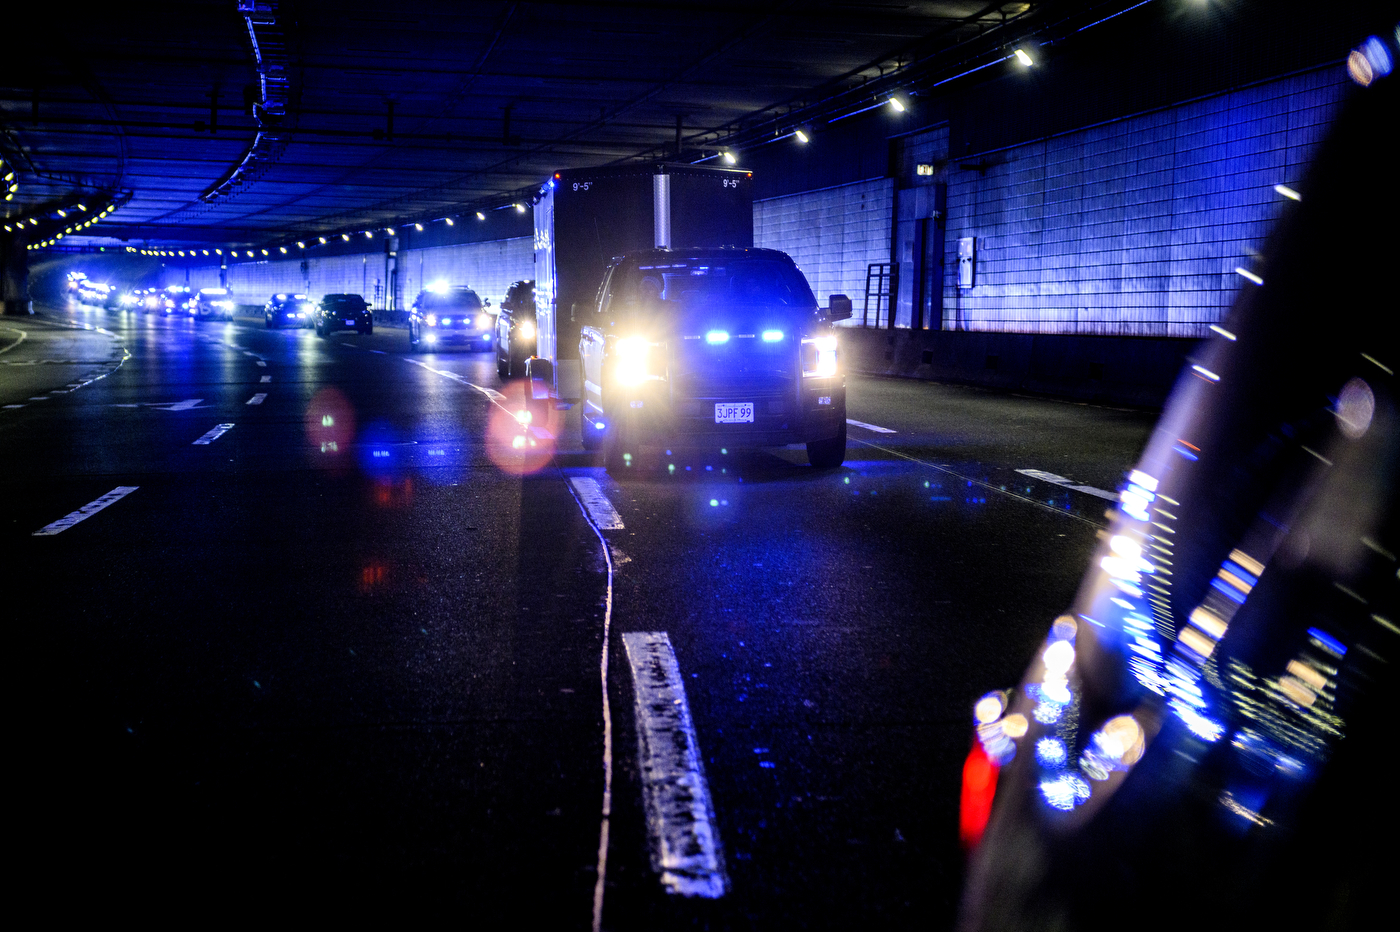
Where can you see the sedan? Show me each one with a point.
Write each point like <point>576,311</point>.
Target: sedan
<point>343,312</point>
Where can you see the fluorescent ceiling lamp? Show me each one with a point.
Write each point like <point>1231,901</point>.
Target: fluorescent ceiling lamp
<point>1024,57</point>
<point>801,136</point>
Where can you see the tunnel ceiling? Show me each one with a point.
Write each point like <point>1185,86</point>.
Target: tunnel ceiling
<point>249,123</point>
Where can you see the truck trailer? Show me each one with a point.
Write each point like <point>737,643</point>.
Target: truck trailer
<point>657,316</point>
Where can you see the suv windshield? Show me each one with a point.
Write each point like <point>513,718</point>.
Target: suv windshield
<point>738,281</point>
<point>463,299</point>
<point>344,300</point>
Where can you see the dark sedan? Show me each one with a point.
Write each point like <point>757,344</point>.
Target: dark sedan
<point>515,330</point>
<point>288,310</point>
<point>343,312</point>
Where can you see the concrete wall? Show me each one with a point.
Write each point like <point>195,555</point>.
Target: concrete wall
<point>1136,371</point>
<point>833,233</point>
<point>1133,227</point>
<point>487,267</point>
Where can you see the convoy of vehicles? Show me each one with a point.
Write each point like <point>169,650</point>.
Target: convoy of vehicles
<point>694,338</point>
<point>444,316</point>
<point>652,312</point>
<point>343,312</point>
<point>515,330</point>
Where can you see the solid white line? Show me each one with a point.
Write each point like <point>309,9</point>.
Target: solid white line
<point>605,817</point>
<point>878,430</point>
<point>685,847</point>
<point>266,378</point>
<point>213,435</point>
<point>85,512</point>
<point>979,482</point>
<point>257,399</point>
<point>1068,483</point>
<point>22,336</point>
<point>488,392</point>
<point>594,499</point>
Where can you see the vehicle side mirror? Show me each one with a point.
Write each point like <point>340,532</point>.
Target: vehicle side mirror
<point>839,308</point>
<point>486,303</point>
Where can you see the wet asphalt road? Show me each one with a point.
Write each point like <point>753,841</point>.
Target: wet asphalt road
<point>345,655</point>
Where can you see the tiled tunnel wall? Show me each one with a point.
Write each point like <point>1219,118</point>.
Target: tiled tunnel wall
<point>1134,227</point>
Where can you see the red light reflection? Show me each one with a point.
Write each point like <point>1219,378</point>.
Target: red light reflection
<point>373,575</point>
<point>391,494</point>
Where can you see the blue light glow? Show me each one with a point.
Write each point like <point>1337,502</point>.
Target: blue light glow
<point>1327,642</point>
<point>717,336</point>
<point>1065,791</point>
<point>1050,751</point>
<point>772,336</point>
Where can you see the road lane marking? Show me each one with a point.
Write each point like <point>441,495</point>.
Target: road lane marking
<point>685,848</point>
<point>605,814</point>
<point>261,363</point>
<point>379,351</point>
<point>23,335</point>
<point>257,399</point>
<point>878,430</point>
<point>9,407</point>
<point>488,392</point>
<point>266,378</point>
<point>85,512</point>
<point>978,482</point>
<point>213,435</point>
<point>1068,483</point>
<point>595,500</point>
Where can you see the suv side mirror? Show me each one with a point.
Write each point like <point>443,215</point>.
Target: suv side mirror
<point>839,308</point>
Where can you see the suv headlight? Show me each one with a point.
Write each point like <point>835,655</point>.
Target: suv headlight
<point>633,356</point>
<point>431,320</point>
<point>483,321</point>
<point>819,356</point>
<point>526,330</point>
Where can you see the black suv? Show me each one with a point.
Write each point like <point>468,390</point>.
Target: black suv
<point>515,330</point>
<point>343,312</point>
<point>448,316</point>
<point>712,347</point>
<point>288,310</point>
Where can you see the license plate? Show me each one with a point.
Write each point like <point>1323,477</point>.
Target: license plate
<point>349,323</point>
<point>731,413</point>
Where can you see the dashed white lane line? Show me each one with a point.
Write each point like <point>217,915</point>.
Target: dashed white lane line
<point>595,500</point>
<point>1068,483</point>
<point>257,399</point>
<point>379,351</point>
<point>262,363</point>
<point>213,435</point>
<point>9,407</point>
<point>878,430</point>
<point>266,378</point>
<point>85,512</point>
<point>685,848</point>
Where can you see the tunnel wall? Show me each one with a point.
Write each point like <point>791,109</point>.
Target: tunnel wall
<point>833,234</point>
<point>1134,227</point>
<point>1136,371</point>
<point>488,267</point>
